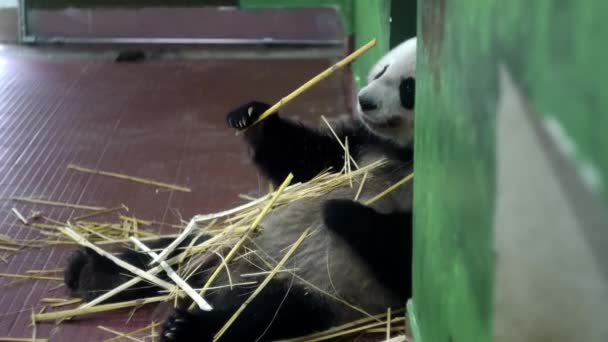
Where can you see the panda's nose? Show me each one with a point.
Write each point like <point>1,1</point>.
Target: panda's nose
<point>367,104</point>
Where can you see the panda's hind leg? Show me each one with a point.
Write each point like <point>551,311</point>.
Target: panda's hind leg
<point>282,310</point>
<point>88,275</point>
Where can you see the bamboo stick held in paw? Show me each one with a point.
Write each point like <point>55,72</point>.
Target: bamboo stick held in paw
<point>323,75</point>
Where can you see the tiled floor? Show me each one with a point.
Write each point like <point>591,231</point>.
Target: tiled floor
<point>158,119</point>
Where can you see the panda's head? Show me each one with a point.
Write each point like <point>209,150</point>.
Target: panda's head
<point>386,103</point>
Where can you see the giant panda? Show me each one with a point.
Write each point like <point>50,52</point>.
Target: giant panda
<point>357,253</point>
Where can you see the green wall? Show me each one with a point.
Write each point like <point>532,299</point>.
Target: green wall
<point>365,19</point>
<point>555,51</point>
<point>371,20</point>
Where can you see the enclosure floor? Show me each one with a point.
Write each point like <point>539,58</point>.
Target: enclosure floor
<point>158,119</point>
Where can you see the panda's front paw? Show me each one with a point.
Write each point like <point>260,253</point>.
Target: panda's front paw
<point>245,115</point>
<point>181,326</point>
<point>342,215</point>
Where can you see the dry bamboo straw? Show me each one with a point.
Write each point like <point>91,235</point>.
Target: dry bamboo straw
<point>347,60</point>
<point>118,333</point>
<point>56,204</point>
<point>254,225</point>
<point>389,189</point>
<point>100,308</point>
<point>259,289</point>
<point>202,304</point>
<point>146,275</point>
<point>131,178</point>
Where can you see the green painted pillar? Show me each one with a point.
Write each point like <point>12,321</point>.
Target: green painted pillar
<point>511,195</point>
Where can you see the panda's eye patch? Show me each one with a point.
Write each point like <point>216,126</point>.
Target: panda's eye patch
<point>407,92</point>
<point>381,72</point>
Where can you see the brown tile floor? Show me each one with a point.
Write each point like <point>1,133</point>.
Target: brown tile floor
<point>158,119</point>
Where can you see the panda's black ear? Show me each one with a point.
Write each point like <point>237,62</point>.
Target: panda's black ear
<point>407,93</point>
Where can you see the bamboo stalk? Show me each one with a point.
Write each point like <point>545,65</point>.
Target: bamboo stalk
<point>180,238</point>
<point>18,339</point>
<point>19,216</point>
<point>318,78</point>
<point>56,204</point>
<point>131,178</point>
<point>262,285</point>
<point>27,276</point>
<point>202,304</point>
<point>99,308</point>
<point>390,189</point>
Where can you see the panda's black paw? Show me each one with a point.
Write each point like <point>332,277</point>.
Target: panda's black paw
<point>181,326</point>
<point>88,275</point>
<point>245,115</point>
<point>76,262</point>
<point>342,215</point>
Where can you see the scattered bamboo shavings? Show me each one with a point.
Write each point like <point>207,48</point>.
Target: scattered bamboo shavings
<point>223,263</point>
<point>338,139</point>
<point>311,285</point>
<point>347,162</point>
<point>398,339</point>
<point>20,217</point>
<point>27,276</point>
<point>102,212</point>
<point>131,178</point>
<point>315,187</point>
<point>388,323</point>
<point>390,189</point>
<point>259,289</point>
<point>340,333</point>
<point>119,334</point>
<point>360,187</point>
<point>66,302</point>
<point>146,275</point>
<point>202,304</point>
<point>247,283</point>
<point>99,308</point>
<point>247,197</point>
<point>253,226</point>
<point>34,215</point>
<point>285,100</point>
<point>257,274</point>
<point>150,326</point>
<point>56,204</point>
<point>394,329</point>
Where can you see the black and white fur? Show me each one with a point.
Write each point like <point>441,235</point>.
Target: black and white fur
<point>357,253</point>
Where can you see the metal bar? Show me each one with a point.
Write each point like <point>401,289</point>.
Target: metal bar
<point>21,20</point>
<point>182,41</point>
